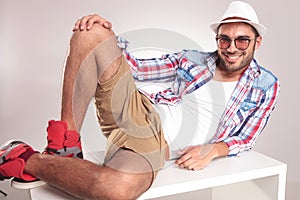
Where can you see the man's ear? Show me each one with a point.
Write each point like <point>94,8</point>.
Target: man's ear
<point>258,42</point>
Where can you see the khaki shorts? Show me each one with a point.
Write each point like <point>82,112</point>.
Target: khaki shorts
<point>128,119</point>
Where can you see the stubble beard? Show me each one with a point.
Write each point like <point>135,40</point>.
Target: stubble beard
<point>234,67</point>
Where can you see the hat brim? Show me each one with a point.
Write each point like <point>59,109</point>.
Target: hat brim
<point>261,29</point>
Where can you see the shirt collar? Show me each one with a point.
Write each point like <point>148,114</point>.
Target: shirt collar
<point>254,69</point>
<point>212,62</point>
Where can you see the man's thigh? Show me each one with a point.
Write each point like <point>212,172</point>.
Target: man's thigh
<point>130,170</point>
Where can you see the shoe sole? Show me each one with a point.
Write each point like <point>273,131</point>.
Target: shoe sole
<point>4,146</point>
<point>8,147</point>
<point>19,184</point>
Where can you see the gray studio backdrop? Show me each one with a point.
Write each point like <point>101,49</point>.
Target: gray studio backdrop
<point>34,38</point>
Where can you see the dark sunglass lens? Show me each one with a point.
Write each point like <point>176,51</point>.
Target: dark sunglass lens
<point>242,43</point>
<point>223,43</point>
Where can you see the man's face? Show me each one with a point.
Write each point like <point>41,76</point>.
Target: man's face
<point>232,59</point>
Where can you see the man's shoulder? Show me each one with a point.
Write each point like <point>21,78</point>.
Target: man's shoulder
<point>196,56</point>
<point>266,79</point>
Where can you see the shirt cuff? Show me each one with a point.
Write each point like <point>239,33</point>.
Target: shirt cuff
<point>233,147</point>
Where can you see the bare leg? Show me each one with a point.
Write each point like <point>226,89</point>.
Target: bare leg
<point>119,179</point>
<point>86,180</point>
<point>81,74</point>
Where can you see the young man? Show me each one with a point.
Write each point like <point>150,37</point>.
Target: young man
<point>143,130</point>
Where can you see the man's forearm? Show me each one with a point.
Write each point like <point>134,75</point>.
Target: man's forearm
<point>220,149</point>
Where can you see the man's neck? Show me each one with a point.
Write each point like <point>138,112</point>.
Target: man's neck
<point>225,76</point>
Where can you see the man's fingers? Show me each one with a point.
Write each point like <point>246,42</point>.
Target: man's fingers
<point>107,25</point>
<point>187,163</point>
<point>97,19</point>
<point>76,26</point>
<point>87,22</point>
<point>183,159</point>
<point>83,22</point>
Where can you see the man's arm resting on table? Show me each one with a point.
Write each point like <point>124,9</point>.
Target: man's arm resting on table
<point>198,157</point>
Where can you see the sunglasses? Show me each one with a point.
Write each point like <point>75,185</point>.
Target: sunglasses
<point>241,43</point>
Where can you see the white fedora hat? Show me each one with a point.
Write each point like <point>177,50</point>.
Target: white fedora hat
<point>239,11</point>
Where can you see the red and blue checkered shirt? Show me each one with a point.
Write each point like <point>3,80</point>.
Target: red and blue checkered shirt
<point>248,109</point>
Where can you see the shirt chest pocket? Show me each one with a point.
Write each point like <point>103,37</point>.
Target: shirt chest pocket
<point>246,109</point>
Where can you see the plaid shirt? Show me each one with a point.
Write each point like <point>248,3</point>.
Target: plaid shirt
<point>248,109</point>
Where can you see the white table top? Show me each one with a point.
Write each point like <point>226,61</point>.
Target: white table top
<point>173,180</point>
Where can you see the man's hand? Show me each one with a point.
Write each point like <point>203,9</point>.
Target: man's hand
<point>198,157</point>
<point>87,22</point>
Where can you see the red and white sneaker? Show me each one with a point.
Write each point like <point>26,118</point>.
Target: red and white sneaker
<point>61,141</point>
<point>12,163</point>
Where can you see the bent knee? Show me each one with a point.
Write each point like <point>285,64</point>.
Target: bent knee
<point>89,39</point>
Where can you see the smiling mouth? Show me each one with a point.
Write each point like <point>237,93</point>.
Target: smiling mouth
<point>232,58</point>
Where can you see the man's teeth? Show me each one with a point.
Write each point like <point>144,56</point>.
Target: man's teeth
<point>233,57</point>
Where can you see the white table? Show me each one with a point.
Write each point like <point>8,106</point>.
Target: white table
<point>250,176</point>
